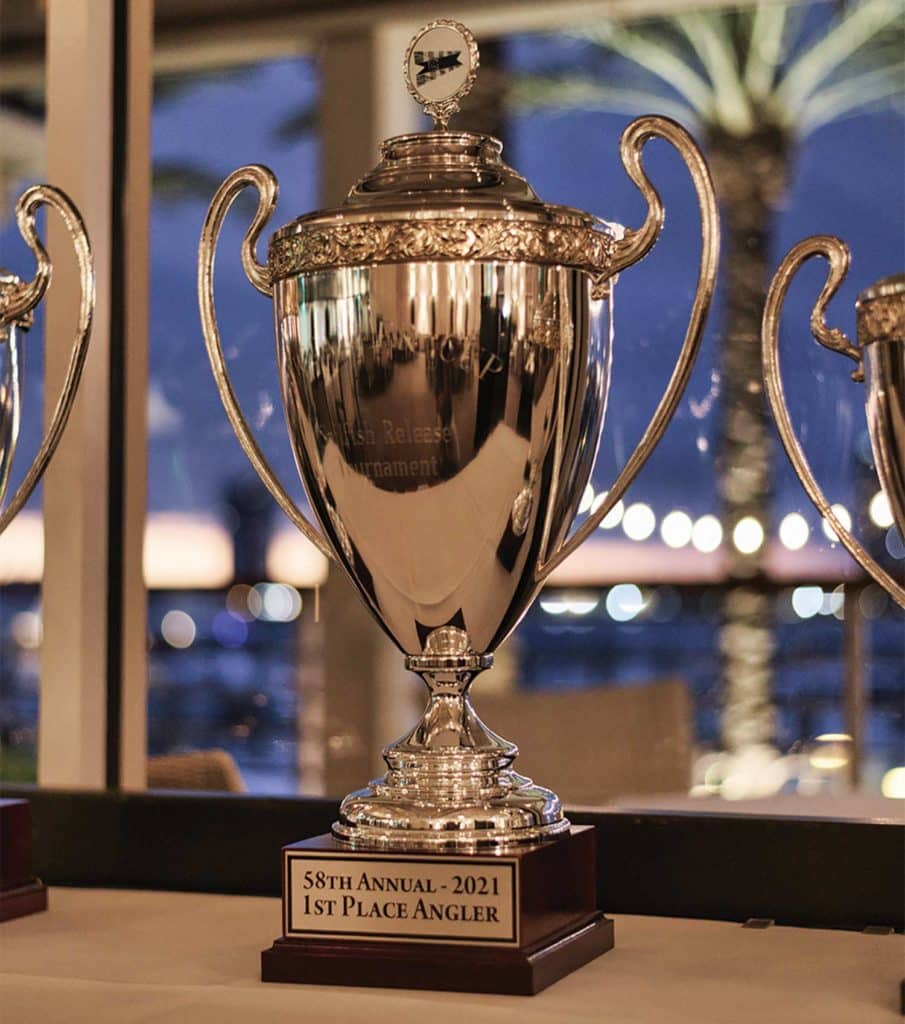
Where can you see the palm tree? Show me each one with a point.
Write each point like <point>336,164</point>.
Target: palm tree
<point>754,83</point>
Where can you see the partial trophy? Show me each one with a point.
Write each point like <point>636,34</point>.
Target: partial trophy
<point>879,355</point>
<point>20,892</point>
<point>444,341</point>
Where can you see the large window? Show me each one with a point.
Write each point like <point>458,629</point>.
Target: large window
<point>228,577</point>
<point>21,547</point>
<point>715,576</point>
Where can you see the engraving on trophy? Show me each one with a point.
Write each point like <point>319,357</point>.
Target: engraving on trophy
<point>407,899</point>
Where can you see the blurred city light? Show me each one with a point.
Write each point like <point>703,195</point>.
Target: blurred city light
<point>880,511</point>
<point>842,514</point>
<point>707,534</point>
<point>624,602</point>
<point>894,546</point>
<point>229,630</point>
<point>22,549</point>
<point>293,559</point>
<point>27,630</point>
<point>676,529</point>
<point>571,604</point>
<point>587,499</point>
<point>614,517</point>
<point>184,552</point>
<point>794,531</point>
<point>872,601</point>
<point>832,751</point>
<point>748,535</point>
<point>833,602</point>
<point>178,629</point>
<point>807,601</point>
<point>639,521</point>
<point>892,784</point>
<point>279,602</point>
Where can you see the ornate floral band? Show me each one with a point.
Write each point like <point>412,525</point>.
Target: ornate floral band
<point>11,288</point>
<point>353,244</point>
<point>881,311</point>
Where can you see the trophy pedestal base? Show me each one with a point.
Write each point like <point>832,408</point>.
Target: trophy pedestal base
<point>24,899</point>
<point>20,892</point>
<point>512,922</point>
<point>443,968</point>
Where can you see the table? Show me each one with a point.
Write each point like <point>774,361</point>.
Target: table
<point>135,956</point>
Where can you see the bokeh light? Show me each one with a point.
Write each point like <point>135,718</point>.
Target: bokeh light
<point>794,531</point>
<point>639,521</point>
<point>707,534</point>
<point>178,629</point>
<point>676,529</point>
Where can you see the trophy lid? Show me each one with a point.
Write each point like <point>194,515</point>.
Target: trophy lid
<point>881,311</point>
<point>442,194</point>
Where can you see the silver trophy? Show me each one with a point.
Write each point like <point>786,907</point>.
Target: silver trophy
<point>444,341</point>
<point>18,299</point>
<point>880,358</point>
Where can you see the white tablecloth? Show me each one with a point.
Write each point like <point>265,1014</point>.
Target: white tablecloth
<point>124,957</point>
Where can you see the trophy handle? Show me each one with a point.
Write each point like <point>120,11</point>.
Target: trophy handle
<point>263,179</point>
<point>17,303</point>
<point>634,246</point>
<point>837,255</point>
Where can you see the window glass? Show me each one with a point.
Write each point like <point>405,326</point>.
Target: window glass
<point>716,575</point>
<point>663,605</point>
<point>223,632</point>
<point>22,544</point>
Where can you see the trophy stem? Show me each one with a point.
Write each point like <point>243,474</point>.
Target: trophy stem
<point>449,784</point>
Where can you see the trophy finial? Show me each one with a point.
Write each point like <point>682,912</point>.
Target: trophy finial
<point>441,65</point>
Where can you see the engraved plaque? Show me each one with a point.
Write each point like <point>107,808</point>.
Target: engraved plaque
<point>403,898</point>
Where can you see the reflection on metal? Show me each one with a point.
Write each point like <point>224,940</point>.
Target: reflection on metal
<point>880,359</point>
<point>444,342</point>
<point>18,300</point>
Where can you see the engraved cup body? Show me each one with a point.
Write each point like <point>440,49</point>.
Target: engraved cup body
<point>10,399</point>
<point>444,417</point>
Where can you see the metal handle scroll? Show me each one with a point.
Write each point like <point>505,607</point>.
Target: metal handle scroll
<point>264,181</point>
<point>19,302</point>
<point>633,247</point>
<point>836,253</point>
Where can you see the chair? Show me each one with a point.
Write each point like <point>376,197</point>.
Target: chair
<point>592,745</point>
<point>207,770</point>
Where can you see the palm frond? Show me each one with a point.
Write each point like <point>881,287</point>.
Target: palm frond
<point>563,93</point>
<point>852,96</point>
<point>658,59</point>
<point>708,36</point>
<point>765,49</point>
<point>862,22</point>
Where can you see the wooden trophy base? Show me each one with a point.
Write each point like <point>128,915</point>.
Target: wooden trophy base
<point>24,899</point>
<point>20,892</point>
<point>511,923</point>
